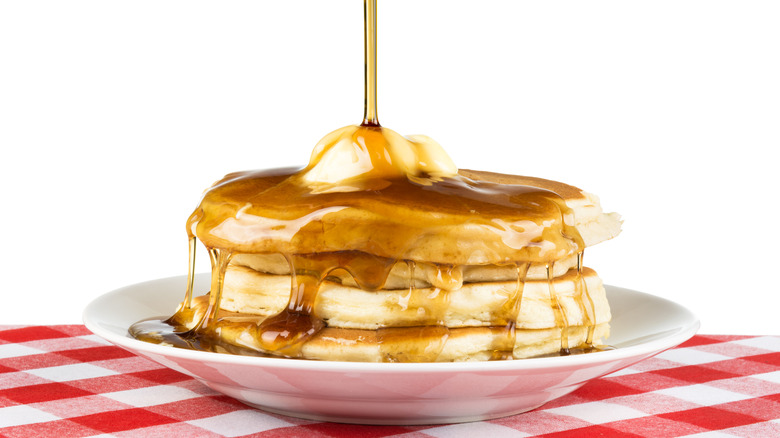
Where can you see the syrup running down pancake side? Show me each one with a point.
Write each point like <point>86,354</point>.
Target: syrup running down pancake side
<point>379,216</point>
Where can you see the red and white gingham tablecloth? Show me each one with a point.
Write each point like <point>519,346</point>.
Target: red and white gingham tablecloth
<point>64,381</point>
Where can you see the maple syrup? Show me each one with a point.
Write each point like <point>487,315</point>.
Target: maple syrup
<point>368,200</point>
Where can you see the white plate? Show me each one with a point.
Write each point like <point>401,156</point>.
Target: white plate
<point>394,393</point>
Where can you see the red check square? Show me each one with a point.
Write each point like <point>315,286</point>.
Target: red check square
<point>96,353</point>
<point>773,397</point>
<point>604,389</point>
<point>711,418</point>
<point>701,340</point>
<point>695,374</point>
<point>117,421</point>
<point>769,358</point>
<point>591,431</point>
<point>42,393</point>
<point>162,376</point>
<point>27,334</point>
<point>352,430</point>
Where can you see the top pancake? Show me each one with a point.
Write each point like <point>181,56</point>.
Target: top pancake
<point>474,218</point>
<point>593,224</point>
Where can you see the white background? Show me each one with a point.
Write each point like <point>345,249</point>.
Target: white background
<point>115,115</point>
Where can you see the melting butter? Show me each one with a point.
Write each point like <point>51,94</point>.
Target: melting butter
<point>348,158</point>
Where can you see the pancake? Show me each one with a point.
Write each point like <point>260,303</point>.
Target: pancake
<point>419,273</point>
<point>592,223</point>
<point>386,325</point>
<point>458,345</point>
<point>478,304</point>
<point>456,221</point>
<point>381,250</point>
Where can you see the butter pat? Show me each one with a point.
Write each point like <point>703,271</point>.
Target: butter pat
<point>364,153</point>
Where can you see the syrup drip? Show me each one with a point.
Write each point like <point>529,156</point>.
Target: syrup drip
<point>504,348</point>
<point>308,217</point>
<point>587,307</point>
<point>219,264</point>
<point>561,319</point>
<point>187,303</point>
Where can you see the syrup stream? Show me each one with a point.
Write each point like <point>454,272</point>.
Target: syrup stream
<point>369,30</point>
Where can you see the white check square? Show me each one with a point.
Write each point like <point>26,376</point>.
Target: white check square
<point>773,376</point>
<point>713,434</point>
<point>689,356</point>
<point>76,371</point>
<point>151,396</point>
<point>16,350</point>
<point>95,338</point>
<point>771,343</point>
<point>624,372</point>
<point>598,412</point>
<point>240,423</point>
<point>703,395</point>
<point>470,430</point>
<point>22,414</point>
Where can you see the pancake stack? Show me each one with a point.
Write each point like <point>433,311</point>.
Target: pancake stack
<point>382,251</point>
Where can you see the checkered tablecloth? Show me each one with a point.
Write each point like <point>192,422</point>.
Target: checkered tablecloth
<point>63,381</point>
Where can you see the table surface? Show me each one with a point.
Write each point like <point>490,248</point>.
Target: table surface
<point>64,381</point>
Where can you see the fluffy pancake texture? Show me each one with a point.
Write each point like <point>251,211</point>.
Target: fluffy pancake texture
<point>477,304</point>
<point>467,339</point>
